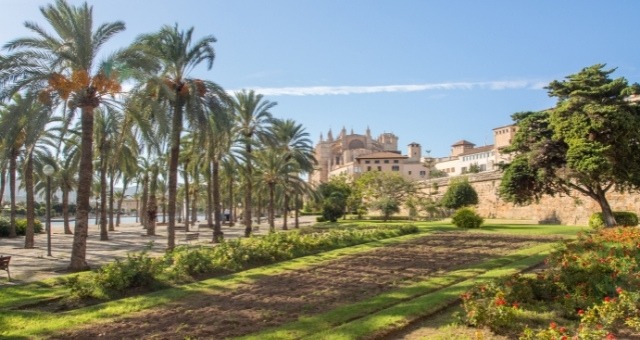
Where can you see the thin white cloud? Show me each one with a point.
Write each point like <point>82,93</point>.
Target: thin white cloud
<point>345,90</point>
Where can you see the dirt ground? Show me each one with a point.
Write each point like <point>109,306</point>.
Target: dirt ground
<point>283,298</point>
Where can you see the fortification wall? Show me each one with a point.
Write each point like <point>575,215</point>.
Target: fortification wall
<point>571,210</point>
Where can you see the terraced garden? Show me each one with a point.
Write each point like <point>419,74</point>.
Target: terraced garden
<point>364,291</point>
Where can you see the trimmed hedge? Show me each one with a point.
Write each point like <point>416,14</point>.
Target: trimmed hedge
<point>623,218</point>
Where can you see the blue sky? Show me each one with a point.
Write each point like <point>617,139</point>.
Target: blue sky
<point>432,72</point>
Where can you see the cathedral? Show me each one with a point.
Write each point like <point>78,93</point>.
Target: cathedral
<point>339,154</point>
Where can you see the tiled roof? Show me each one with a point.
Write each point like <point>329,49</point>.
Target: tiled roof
<point>477,150</point>
<point>462,142</point>
<point>379,155</point>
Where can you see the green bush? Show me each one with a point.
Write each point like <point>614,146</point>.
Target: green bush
<point>588,290</point>
<point>466,218</point>
<point>137,270</point>
<point>623,218</point>
<point>21,226</point>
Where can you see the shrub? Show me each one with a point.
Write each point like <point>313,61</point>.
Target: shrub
<point>623,218</point>
<point>137,270</point>
<point>466,218</point>
<point>21,226</point>
<point>589,290</point>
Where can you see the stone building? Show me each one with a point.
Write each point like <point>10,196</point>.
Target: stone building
<point>354,153</point>
<point>465,155</point>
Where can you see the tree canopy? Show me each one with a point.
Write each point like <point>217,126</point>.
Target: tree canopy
<point>588,143</point>
<point>459,194</point>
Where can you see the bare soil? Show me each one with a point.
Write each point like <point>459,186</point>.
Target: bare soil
<point>276,300</point>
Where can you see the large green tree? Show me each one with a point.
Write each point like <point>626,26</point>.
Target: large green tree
<point>589,143</point>
<point>385,191</point>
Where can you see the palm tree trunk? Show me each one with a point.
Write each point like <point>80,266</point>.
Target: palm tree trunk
<point>28,184</point>
<point>208,179</point>
<point>152,205</point>
<point>145,199</point>
<point>174,155</point>
<point>272,213</point>
<point>232,206</point>
<point>13,165</point>
<point>194,201</point>
<point>111,199</point>
<point>186,196</point>
<point>247,194</point>
<point>3,178</point>
<point>297,213</point>
<point>285,213</point>
<point>104,234</point>
<point>217,228</point>
<point>85,176</point>
<point>65,211</point>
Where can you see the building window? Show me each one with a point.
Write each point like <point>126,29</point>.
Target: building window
<point>395,168</point>
<point>395,161</point>
<point>367,162</point>
<point>423,173</point>
<point>368,168</point>
<point>379,168</point>
<point>386,161</point>
<point>409,172</point>
<point>377,161</point>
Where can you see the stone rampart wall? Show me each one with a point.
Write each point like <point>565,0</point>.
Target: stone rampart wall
<point>562,209</point>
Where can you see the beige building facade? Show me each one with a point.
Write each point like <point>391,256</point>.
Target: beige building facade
<point>352,154</point>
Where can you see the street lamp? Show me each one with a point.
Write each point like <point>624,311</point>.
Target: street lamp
<point>48,171</point>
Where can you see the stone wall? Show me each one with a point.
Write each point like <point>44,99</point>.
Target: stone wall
<point>561,209</point>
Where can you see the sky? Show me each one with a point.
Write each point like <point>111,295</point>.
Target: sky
<point>431,72</point>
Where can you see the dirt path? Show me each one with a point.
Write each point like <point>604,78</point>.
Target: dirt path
<point>284,298</point>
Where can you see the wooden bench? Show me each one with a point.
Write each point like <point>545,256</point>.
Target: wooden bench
<point>4,264</point>
<point>191,237</point>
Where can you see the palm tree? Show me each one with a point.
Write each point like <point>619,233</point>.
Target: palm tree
<point>105,133</point>
<point>171,55</point>
<point>69,59</point>
<point>252,115</point>
<point>24,121</point>
<point>293,142</point>
<point>218,147</point>
<point>272,169</point>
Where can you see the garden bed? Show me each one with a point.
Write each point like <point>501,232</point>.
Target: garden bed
<point>278,299</point>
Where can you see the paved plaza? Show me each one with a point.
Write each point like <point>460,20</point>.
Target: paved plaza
<point>34,264</point>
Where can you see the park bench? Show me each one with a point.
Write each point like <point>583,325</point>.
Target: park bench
<point>191,237</point>
<point>4,264</point>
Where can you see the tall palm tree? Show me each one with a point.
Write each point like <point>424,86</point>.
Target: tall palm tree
<point>252,116</point>
<point>24,122</point>
<point>291,139</point>
<point>105,133</point>
<point>171,54</point>
<point>218,141</point>
<point>69,55</point>
<point>272,169</point>
<point>12,139</point>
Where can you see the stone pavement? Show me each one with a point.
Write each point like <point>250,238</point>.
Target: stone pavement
<point>33,264</point>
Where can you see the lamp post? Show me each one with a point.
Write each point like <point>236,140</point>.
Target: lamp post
<point>48,171</point>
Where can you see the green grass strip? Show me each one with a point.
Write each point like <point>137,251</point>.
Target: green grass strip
<point>21,324</point>
<point>323,323</point>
